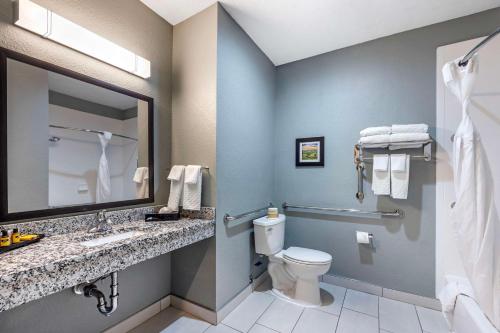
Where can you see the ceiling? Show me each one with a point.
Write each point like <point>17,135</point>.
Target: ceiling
<point>289,30</point>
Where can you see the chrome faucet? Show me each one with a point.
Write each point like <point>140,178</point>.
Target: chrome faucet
<point>102,223</point>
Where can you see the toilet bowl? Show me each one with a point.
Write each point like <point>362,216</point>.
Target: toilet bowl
<point>295,271</point>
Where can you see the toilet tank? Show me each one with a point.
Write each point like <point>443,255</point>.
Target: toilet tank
<point>269,234</point>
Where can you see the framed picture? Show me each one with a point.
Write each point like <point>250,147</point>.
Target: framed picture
<point>310,151</point>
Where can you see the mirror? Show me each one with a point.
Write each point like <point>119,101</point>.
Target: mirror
<point>72,143</point>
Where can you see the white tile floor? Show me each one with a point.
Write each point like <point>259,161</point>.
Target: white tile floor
<point>345,311</point>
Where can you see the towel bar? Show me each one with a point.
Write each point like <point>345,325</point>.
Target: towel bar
<point>229,218</point>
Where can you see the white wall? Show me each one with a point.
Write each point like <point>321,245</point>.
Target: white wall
<point>73,161</point>
<point>485,113</point>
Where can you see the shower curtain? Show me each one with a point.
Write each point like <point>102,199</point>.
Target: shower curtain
<point>103,188</point>
<point>474,215</point>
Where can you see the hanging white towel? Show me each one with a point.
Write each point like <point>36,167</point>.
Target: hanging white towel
<point>141,180</point>
<point>176,177</point>
<point>191,198</point>
<point>400,179</point>
<point>370,131</point>
<point>382,138</point>
<point>103,186</point>
<point>381,179</point>
<point>381,162</point>
<point>409,137</point>
<point>410,128</point>
<point>398,162</point>
<point>474,216</point>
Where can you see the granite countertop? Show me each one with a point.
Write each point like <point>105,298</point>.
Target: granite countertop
<point>60,261</point>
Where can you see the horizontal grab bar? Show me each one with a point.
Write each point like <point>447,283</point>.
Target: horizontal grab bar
<point>394,213</point>
<point>229,218</point>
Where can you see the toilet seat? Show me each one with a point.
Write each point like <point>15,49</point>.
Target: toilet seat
<point>305,256</point>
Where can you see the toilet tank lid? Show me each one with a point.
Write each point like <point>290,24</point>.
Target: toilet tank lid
<point>265,221</point>
<point>307,255</point>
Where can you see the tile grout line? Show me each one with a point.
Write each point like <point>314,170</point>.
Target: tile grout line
<point>418,318</point>
<point>257,324</point>
<point>300,316</point>
<point>378,318</point>
<point>267,308</point>
<point>341,308</point>
<point>231,327</point>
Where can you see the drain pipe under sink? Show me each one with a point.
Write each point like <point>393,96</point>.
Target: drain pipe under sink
<point>91,290</point>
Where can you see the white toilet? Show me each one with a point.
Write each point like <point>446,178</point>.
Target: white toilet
<point>294,271</point>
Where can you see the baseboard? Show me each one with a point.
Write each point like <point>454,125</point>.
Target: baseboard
<point>196,310</point>
<point>139,317</point>
<point>260,279</point>
<point>426,302</point>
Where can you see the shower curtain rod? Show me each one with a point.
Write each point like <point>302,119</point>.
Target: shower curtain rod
<point>91,131</point>
<point>469,55</point>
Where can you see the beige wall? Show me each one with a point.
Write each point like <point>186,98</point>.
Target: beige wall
<point>132,25</point>
<point>127,23</point>
<point>193,142</point>
<point>194,95</point>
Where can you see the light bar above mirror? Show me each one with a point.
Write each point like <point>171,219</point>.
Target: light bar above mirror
<point>47,24</point>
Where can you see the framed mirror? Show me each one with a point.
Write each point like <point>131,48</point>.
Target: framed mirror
<point>70,143</point>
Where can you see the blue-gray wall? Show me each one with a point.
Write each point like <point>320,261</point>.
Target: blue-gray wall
<point>381,82</point>
<point>245,126</point>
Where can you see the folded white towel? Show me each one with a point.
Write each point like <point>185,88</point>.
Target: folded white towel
<point>383,138</point>
<point>375,131</point>
<point>381,180</point>
<point>191,198</point>
<point>192,174</point>
<point>381,162</point>
<point>398,162</point>
<point>410,128</point>
<point>141,178</point>
<point>400,180</point>
<point>166,210</point>
<point>176,172</point>
<point>406,146</point>
<point>176,187</point>
<point>409,137</point>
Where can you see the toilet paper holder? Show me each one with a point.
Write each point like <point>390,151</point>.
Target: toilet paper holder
<point>364,238</point>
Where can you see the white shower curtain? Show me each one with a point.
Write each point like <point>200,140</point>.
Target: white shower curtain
<point>103,188</point>
<point>474,215</point>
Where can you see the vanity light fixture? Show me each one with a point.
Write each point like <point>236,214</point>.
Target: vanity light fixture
<point>47,24</point>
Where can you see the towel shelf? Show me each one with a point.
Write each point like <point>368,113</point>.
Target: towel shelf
<point>360,157</point>
<point>229,218</point>
<point>395,213</point>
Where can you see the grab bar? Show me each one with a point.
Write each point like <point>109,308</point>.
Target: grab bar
<point>229,218</point>
<point>395,213</point>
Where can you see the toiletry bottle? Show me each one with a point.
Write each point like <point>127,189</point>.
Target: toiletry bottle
<point>15,236</point>
<point>4,239</point>
<point>23,238</point>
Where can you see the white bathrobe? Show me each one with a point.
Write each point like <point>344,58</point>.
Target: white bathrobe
<point>474,215</point>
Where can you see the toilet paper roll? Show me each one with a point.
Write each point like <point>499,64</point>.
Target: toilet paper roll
<point>363,237</point>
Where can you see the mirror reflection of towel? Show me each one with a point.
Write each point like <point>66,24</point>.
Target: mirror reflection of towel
<point>103,186</point>
<point>141,180</point>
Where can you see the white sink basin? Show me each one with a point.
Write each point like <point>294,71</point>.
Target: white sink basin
<point>111,238</point>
